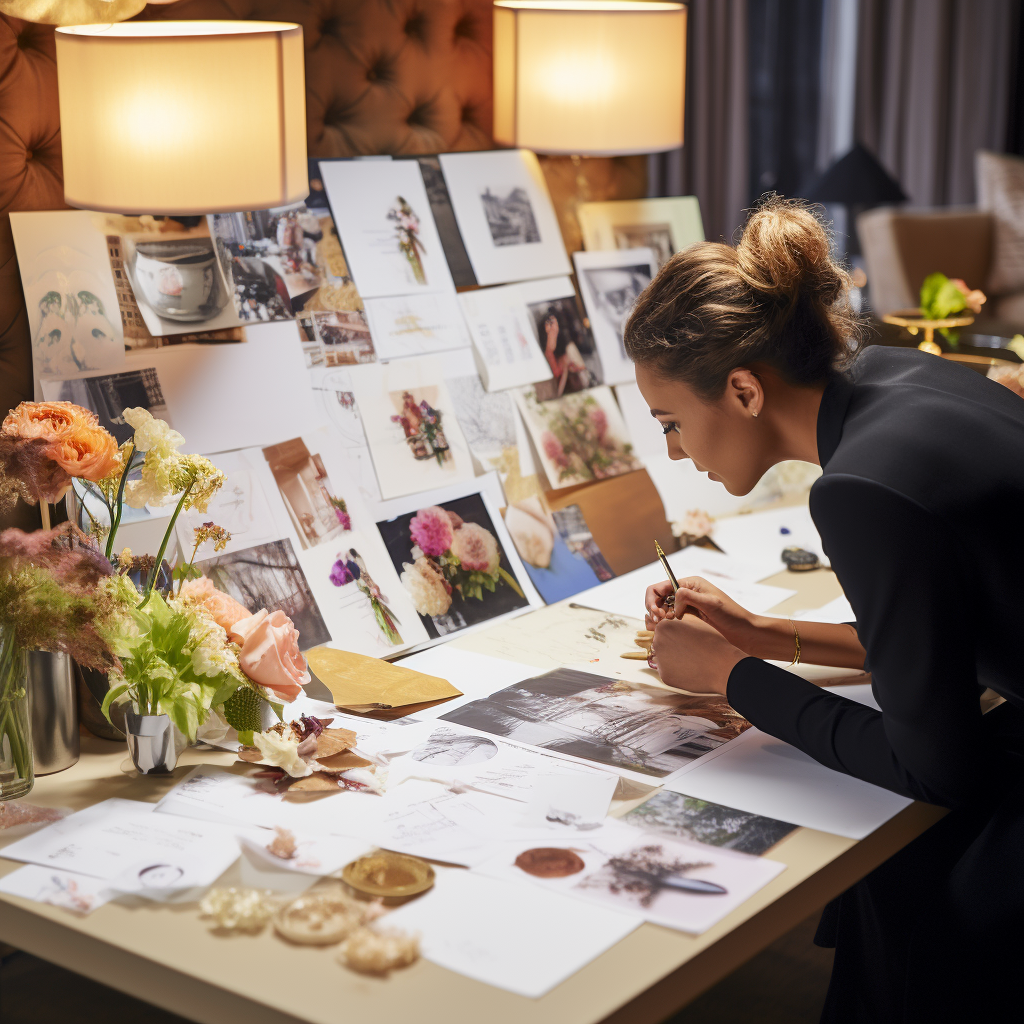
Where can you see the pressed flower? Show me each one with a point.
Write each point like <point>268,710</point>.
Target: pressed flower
<point>281,749</point>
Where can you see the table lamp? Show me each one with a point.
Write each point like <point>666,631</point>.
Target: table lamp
<point>182,117</point>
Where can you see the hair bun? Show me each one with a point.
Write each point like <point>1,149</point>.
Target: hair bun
<point>786,253</point>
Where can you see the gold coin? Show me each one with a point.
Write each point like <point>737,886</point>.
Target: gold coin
<point>389,874</point>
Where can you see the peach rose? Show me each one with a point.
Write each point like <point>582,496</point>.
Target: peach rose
<point>221,607</point>
<point>270,653</point>
<point>75,440</point>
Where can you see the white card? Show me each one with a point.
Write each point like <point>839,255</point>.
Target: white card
<point>765,534</point>
<point>81,894</point>
<point>416,325</point>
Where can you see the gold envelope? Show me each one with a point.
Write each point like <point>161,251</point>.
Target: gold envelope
<point>356,680</point>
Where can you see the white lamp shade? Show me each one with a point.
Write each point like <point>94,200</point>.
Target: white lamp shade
<point>182,117</point>
<point>589,77</point>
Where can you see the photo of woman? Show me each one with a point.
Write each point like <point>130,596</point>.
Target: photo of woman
<point>567,347</point>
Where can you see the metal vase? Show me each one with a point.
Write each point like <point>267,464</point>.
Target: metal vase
<point>53,711</point>
<point>153,742</point>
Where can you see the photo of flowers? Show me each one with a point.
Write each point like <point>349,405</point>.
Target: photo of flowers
<point>269,576</point>
<point>579,437</point>
<point>700,821</point>
<point>452,564</point>
<point>650,732</point>
<point>421,424</point>
<point>317,511</point>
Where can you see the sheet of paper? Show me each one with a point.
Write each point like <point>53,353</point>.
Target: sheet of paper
<point>683,488</point>
<point>837,610</point>
<point>478,542</point>
<point>624,595</point>
<point>313,854</point>
<point>671,882</point>
<point>764,534</point>
<point>504,338</point>
<point>81,894</point>
<point>523,939</point>
<point>574,802</point>
<point>505,215</point>
<point>610,283</point>
<point>763,775</point>
<point>416,325</point>
<point>716,567</point>
<point>645,431</point>
<point>386,227</point>
<point>411,426</point>
<point>488,421</point>
<point>134,850</point>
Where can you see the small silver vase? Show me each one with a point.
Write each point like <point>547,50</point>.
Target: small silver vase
<point>54,711</point>
<point>154,742</point>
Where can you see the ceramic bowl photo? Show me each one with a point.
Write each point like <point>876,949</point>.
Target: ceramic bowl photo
<point>179,278</point>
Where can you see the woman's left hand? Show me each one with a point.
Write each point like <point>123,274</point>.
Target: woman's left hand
<point>691,655</point>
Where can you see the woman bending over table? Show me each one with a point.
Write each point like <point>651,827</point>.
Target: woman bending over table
<point>746,357</point>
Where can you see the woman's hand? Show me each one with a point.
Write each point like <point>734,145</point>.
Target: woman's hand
<point>692,655</point>
<point>709,604</point>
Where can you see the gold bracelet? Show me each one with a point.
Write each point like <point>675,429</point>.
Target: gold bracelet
<point>796,639</point>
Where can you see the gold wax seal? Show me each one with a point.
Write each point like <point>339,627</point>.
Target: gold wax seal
<point>389,874</point>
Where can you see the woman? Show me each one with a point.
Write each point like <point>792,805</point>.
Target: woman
<point>743,355</point>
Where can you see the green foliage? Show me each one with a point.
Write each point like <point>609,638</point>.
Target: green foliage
<point>243,710</point>
<point>940,299</point>
<point>172,666</point>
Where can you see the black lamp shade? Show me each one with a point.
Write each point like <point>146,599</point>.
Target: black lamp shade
<point>856,179</point>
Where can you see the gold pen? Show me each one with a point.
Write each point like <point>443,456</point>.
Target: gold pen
<point>668,568</point>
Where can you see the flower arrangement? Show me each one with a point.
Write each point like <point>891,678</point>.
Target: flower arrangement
<point>421,425</point>
<point>451,556</point>
<point>578,442</point>
<point>407,228</point>
<point>350,568</point>
<point>943,297</point>
<point>341,511</point>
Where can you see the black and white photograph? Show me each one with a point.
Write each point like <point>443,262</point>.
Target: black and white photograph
<point>110,394</point>
<point>656,237</point>
<point>444,217</point>
<point>610,283</point>
<point>700,821</point>
<point>565,342</point>
<point>449,748</point>
<point>269,576</point>
<point>505,216</point>
<point>664,224</point>
<point>651,732</point>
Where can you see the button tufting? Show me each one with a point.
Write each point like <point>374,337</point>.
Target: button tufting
<point>464,27</point>
<point>416,27</point>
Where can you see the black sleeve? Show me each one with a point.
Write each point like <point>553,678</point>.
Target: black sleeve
<point>900,567</point>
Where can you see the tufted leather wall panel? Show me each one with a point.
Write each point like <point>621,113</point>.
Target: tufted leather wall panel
<point>382,76</point>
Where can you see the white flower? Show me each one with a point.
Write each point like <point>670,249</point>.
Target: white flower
<point>152,434</point>
<point>282,751</point>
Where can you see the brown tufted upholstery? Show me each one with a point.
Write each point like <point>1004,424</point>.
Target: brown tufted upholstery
<point>382,76</point>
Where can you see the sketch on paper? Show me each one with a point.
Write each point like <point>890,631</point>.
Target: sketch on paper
<point>448,747</point>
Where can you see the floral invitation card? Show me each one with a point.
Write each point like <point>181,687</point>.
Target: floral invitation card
<point>610,284</point>
<point>410,425</point>
<point>416,325</point>
<point>505,215</point>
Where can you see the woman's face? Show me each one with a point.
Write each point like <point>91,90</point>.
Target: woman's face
<point>720,437</point>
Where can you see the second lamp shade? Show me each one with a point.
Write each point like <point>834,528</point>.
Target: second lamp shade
<point>589,77</point>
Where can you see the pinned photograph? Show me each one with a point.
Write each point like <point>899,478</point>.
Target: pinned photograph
<point>488,421</point>
<point>386,226</point>
<point>505,215</point>
<point>565,342</point>
<point>649,732</point>
<point>610,284</point>
<point>700,821</point>
<point>108,396</point>
<point>579,437</point>
<point>411,427</point>
<point>283,261</point>
<point>344,337</point>
<point>416,325</point>
<point>454,564</point>
<point>74,320</point>
<point>665,225</point>
<point>269,576</point>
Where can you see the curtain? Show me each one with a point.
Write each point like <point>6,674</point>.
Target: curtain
<point>933,87</point>
<point>714,163</point>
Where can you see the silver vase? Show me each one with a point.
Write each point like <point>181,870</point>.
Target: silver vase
<point>154,742</point>
<point>53,710</point>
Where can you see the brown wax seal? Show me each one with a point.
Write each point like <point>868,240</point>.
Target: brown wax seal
<point>549,862</point>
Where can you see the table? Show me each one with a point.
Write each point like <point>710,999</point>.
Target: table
<point>166,956</point>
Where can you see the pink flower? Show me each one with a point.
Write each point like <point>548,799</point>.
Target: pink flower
<point>270,654</point>
<point>431,531</point>
<point>221,607</point>
<point>974,297</point>
<point>476,549</point>
<point>553,449</point>
<point>599,421</point>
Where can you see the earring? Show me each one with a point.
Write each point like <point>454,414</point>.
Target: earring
<point>754,415</point>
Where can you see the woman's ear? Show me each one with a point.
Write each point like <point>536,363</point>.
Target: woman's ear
<point>744,393</point>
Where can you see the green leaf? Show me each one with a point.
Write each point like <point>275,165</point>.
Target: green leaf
<point>109,699</point>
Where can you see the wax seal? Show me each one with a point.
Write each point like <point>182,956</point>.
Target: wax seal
<point>389,874</point>
<point>549,862</point>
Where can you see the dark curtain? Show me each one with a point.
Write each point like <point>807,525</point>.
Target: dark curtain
<point>713,164</point>
<point>934,85</point>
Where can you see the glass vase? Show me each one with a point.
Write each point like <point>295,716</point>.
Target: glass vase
<point>16,772</point>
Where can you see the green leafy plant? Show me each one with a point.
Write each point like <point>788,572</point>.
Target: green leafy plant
<point>944,297</point>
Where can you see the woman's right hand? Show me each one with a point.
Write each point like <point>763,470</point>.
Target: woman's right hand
<point>710,604</point>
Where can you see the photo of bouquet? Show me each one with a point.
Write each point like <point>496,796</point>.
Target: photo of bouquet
<point>349,567</point>
<point>421,423</point>
<point>407,228</point>
<point>452,564</point>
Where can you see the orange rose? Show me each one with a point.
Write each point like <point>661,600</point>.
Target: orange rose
<point>221,607</point>
<point>75,440</point>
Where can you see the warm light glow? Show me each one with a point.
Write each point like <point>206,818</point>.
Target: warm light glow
<point>595,77</point>
<point>182,117</point>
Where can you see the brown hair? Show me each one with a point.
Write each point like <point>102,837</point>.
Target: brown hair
<point>777,297</point>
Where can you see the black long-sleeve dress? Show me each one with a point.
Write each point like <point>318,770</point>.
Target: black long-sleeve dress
<point>920,507</point>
